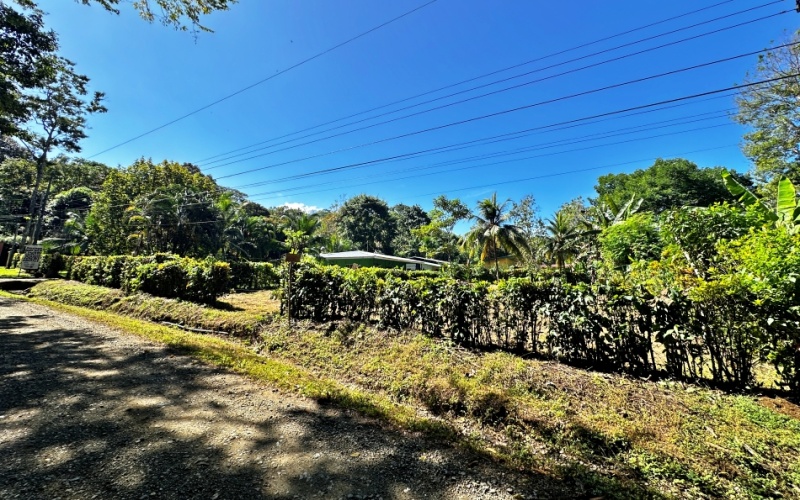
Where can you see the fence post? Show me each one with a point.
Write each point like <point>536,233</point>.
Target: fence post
<point>291,258</point>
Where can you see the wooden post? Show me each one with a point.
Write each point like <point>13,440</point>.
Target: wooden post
<point>289,295</point>
<point>291,258</point>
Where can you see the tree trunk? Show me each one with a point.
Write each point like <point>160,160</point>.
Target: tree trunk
<point>38,228</point>
<point>496,261</point>
<point>40,164</point>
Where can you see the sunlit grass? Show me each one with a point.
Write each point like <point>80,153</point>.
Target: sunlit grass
<point>12,273</point>
<point>608,430</point>
<point>261,302</point>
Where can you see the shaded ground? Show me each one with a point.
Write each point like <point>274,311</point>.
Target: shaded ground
<point>87,412</point>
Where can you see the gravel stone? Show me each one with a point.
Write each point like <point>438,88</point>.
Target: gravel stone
<point>90,412</point>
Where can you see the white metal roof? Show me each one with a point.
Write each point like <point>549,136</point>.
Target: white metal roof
<point>360,254</point>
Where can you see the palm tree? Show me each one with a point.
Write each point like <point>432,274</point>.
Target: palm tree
<point>301,232</point>
<point>492,233</point>
<point>561,240</point>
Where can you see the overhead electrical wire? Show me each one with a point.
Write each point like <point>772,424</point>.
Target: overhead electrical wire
<point>503,137</point>
<point>264,80</point>
<point>470,80</point>
<point>513,160</point>
<point>649,107</point>
<point>537,104</point>
<point>548,145</point>
<point>495,139</point>
<point>494,92</point>
<point>733,88</point>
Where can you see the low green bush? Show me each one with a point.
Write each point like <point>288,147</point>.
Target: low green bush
<point>717,329</point>
<point>163,275</point>
<point>254,276</point>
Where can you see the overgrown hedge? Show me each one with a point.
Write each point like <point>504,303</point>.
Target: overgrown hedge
<point>163,275</point>
<point>254,276</point>
<point>608,327</point>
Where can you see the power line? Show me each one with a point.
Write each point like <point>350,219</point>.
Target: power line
<point>470,80</point>
<point>541,103</point>
<point>561,142</point>
<point>487,94</point>
<point>514,160</point>
<point>567,172</point>
<point>264,80</point>
<point>488,140</point>
<point>567,122</point>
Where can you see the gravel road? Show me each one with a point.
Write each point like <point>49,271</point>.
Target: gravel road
<point>89,412</point>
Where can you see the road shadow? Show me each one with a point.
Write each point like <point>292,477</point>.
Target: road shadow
<point>94,415</point>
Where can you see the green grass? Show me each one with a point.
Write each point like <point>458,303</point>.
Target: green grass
<point>12,273</point>
<point>623,437</point>
<point>261,302</point>
<point>244,323</point>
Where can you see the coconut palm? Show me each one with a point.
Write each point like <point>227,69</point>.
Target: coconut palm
<point>492,233</point>
<point>561,241</point>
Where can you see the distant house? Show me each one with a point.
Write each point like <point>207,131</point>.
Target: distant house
<point>370,259</point>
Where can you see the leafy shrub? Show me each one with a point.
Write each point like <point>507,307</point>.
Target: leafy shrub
<point>254,276</point>
<point>52,264</point>
<point>164,275</point>
<point>721,327</point>
<point>636,238</point>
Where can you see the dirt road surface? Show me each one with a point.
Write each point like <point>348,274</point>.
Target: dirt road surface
<point>89,412</point>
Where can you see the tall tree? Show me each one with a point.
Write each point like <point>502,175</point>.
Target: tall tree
<point>561,241</point>
<point>493,233</point>
<point>57,119</point>
<point>367,222</point>
<point>301,233</point>
<point>27,61</point>
<point>450,212</point>
<point>773,114</point>
<point>525,215</point>
<point>407,218</point>
<point>667,184</point>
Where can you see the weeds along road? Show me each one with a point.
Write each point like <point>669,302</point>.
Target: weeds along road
<point>89,412</point>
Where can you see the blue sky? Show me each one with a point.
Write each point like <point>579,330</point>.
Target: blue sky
<point>153,74</point>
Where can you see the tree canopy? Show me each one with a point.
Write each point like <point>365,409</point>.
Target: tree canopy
<point>773,114</point>
<point>368,223</point>
<point>667,184</point>
<point>180,14</point>
<point>27,58</point>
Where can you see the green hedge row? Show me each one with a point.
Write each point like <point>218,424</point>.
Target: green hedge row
<point>605,326</point>
<point>254,276</point>
<point>163,275</point>
<point>49,267</point>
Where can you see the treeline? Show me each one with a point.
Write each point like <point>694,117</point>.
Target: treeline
<point>146,208</point>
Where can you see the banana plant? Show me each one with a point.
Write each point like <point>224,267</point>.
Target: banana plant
<point>787,211</point>
<point>606,213</point>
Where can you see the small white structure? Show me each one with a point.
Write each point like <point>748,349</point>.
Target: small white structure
<point>371,259</point>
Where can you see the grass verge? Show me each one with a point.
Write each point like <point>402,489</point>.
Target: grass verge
<point>238,323</point>
<point>12,273</point>
<point>617,436</point>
